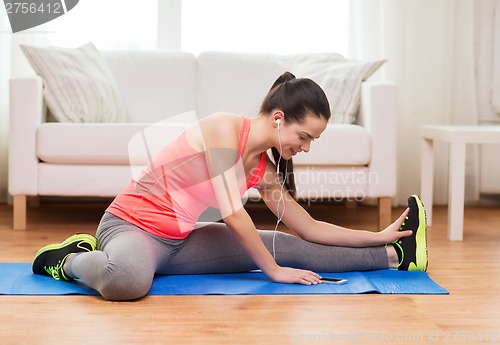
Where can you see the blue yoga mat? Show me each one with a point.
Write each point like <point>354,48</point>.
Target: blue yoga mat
<point>17,279</point>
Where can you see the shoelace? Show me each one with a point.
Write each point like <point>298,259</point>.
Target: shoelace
<point>401,228</point>
<point>54,271</point>
<point>403,224</point>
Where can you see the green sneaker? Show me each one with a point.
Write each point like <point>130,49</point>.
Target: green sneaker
<point>49,260</point>
<point>412,250</point>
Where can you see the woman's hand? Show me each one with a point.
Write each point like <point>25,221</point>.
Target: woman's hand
<point>295,276</point>
<point>392,233</point>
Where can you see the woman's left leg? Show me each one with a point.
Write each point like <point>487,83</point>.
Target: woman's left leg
<point>212,249</point>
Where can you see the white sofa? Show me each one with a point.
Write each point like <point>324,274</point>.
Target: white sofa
<point>350,161</point>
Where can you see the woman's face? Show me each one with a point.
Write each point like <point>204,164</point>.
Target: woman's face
<point>294,137</point>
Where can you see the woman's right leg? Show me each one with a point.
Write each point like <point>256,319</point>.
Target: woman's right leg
<point>124,264</point>
<point>213,249</point>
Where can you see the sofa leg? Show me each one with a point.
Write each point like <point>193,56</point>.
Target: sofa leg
<point>384,212</point>
<point>19,212</point>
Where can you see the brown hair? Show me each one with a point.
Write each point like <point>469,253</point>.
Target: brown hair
<point>296,97</point>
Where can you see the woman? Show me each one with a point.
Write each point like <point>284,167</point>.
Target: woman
<point>151,226</point>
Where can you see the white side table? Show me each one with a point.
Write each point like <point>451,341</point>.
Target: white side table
<point>457,137</point>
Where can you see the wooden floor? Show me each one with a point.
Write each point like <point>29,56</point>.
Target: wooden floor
<point>470,270</point>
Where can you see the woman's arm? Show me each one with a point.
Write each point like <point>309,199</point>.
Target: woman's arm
<point>297,219</point>
<point>245,233</point>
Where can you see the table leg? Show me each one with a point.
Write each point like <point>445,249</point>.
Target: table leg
<point>427,176</point>
<point>456,192</point>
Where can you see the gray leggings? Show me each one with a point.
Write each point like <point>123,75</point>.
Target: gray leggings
<point>127,258</point>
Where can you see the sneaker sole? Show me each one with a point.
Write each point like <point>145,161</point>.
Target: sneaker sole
<point>72,239</point>
<point>421,239</point>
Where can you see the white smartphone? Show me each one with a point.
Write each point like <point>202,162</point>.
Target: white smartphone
<point>336,281</point>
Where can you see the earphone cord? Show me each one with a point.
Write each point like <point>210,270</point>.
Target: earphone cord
<point>282,197</point>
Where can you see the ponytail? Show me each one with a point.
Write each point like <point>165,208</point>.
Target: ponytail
<point>283,79</point>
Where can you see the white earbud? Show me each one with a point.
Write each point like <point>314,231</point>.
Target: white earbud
<point>278,123</point>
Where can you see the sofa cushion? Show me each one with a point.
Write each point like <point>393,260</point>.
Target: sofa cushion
<point>154,85</point>
<point>339,77</point>
<point>134,143</point>
<point>78,84</point>
<point>342,144</point>
<point>108,144</point>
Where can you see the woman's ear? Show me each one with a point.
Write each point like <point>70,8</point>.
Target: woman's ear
<point>278,117</point>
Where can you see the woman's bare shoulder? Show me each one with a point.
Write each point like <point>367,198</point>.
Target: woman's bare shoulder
<point>218,129</point>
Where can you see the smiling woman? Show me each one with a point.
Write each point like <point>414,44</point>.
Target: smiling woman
<point>152,226</point>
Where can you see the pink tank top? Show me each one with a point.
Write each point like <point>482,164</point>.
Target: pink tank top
<point>175,189</point>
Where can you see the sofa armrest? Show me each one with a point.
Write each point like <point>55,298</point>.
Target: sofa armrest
<point>27,112</point>
<point>378,114</point>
